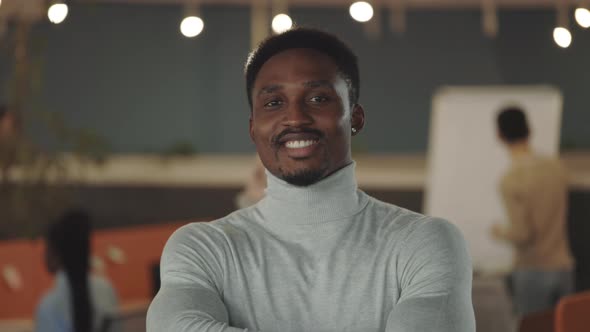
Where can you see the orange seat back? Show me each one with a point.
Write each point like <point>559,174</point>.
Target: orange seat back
<point>542,321</point>
<point>573,313</point>
<point>139,247</point>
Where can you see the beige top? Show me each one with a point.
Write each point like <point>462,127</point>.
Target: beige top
<point>534,191</point>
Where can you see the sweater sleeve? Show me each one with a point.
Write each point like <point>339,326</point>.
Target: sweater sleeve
<point>435,277</point>
<point>190,296</point>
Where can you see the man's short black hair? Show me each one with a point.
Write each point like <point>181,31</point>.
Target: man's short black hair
<point>512,124</point>
<point>320,41</point>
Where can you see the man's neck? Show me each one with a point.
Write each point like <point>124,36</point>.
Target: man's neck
<point>519,150</point>
<point>332,198</point>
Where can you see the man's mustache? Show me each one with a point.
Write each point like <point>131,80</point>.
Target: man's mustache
<point>276,141</point>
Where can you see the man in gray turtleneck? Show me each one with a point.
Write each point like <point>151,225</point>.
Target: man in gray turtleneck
<point>316,254</point>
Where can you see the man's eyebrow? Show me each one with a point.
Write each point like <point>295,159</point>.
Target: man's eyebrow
<point>270,89</point>
<point>318,83</point>
<point>309,84</point>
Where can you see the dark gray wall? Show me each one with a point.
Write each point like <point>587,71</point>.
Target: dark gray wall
<point>126,72</point>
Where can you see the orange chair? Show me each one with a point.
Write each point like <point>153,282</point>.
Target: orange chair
<point>139,247</point>
<point>573,313</point>
<point>19,256</point>
<point>542,321</point>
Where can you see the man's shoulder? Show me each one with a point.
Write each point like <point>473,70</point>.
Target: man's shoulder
<point>437,228</point>
<point>422,227</point>
<point>408,221</point>
<point>215,231</point>
<point>434,237</point>
<point>538,167</point>
<point>555,164</point>
<point>391,213</point>
<point>421,237</point>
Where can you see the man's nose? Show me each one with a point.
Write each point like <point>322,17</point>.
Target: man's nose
<point>297,114</point>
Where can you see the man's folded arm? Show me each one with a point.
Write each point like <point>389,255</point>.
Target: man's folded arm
<point>435,282</point>
<point>190,297</point>
<point>188,309</point>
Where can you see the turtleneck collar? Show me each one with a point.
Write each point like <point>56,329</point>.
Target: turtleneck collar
<point>333,198</point>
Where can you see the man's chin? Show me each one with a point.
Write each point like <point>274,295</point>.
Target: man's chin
<point>303,177</point>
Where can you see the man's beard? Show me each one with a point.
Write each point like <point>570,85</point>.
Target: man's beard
<point>304,177</point>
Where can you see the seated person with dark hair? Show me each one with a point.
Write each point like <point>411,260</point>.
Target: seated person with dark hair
<point>78,301</point>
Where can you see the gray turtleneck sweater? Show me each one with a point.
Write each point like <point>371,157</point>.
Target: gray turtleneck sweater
<point>326,257</point>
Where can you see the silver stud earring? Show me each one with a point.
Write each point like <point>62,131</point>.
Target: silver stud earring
<point>354,130</point>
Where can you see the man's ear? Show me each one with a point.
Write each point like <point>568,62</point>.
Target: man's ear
<point>357,118</point>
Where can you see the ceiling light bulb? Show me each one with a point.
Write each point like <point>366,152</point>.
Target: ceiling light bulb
<point>191,26</point>
<point>361,11</point>
<point>583,17</point>
<point>57,13</point>
<point>562,37</point>
<point>281,23</point>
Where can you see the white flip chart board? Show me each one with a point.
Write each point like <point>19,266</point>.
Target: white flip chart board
<point>466,159</point>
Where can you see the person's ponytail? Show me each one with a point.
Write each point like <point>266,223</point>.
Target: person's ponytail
<point>70,239</point>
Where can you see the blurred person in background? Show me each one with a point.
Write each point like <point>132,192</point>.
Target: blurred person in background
<point>78,301</point>
<point>8,134</point>
<point>535,195</point>
<point>254,189</point>
<point>12,152</point>
<point>8,124</point>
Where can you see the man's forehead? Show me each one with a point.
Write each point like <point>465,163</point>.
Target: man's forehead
<point>310,54</point>
<point>300,60</point>
<point>272,87</point>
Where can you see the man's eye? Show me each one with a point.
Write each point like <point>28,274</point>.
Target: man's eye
<point>318,99</point>
<point>273,103</point>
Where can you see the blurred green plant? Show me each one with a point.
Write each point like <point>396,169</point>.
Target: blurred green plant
<point>180,149</point>
<point>34,186</point>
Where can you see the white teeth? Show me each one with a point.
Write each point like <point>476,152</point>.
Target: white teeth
<point>299,144</point>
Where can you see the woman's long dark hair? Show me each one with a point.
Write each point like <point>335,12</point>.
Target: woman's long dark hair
<point>69,239</point>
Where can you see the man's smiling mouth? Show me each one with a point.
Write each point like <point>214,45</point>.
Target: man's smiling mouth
<point>298,144</point>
